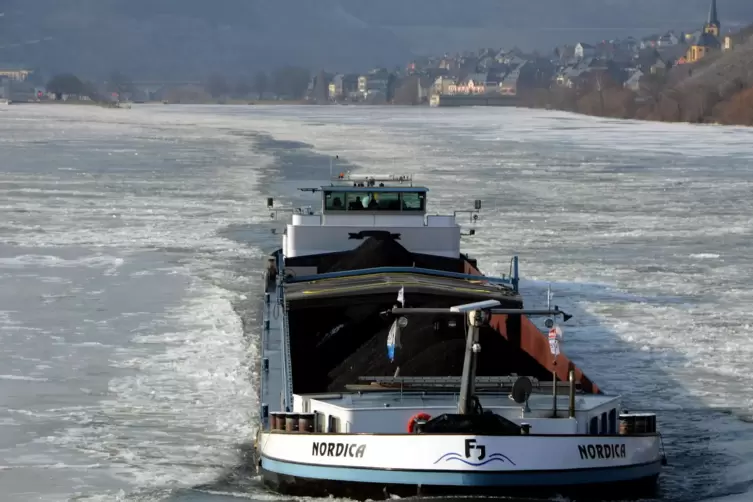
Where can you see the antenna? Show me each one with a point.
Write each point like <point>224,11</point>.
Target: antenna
<point>549,323</point>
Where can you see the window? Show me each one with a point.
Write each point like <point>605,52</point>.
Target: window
<point>384,201</point>
<point>613,421</point>
<point>594,426</point>
<point>604,427</point>
<point>413,201</point>
<point>319,421</point>
<point>334,201</point>
<point>334,424</point>
<point>356,201</point>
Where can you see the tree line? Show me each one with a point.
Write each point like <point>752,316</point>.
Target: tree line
<point>288,82</point>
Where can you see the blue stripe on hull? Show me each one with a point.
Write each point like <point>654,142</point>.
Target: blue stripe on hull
<point>479,478</point>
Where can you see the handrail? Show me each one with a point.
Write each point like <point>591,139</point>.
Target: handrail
<point>287,367</point>
<point>409,270</point>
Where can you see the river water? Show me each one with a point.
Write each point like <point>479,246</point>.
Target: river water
<point>131,246</point>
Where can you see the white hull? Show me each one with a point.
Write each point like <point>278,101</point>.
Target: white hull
<point>460,460</point>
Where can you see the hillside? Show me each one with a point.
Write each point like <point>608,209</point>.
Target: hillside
<point>188,39</point>
<point>723,71</point>
<point>716,89</point>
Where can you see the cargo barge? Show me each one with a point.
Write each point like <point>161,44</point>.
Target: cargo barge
<point>391,366</point>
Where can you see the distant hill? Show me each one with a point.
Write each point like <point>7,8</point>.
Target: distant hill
<point>188,39</point>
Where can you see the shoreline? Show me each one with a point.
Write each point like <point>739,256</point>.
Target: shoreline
<point>127,105</point>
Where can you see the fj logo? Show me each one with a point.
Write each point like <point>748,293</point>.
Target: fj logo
<point>470,445</point>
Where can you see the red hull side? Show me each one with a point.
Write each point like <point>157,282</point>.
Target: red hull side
<point>535,343</point>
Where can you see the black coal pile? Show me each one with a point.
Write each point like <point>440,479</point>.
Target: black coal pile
<point>377,251</point>
<point>428,349</point>
<point>335,343</point>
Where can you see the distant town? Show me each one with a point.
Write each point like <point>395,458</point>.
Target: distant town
<point>651,77</point>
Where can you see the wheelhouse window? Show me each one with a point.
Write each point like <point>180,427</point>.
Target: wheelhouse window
<point>383,201</point>
<point>334,201</point>
<point>413,201</point>
<point>593,428</point>
<point>374,201</point>
<point>357,201</point>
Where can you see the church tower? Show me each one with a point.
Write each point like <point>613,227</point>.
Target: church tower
<point>712,25</point>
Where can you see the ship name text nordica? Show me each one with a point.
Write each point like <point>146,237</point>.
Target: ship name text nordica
<point>596,451</point>
<point>326,449</point>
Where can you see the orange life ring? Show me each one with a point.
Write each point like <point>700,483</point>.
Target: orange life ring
<point>418,416</point>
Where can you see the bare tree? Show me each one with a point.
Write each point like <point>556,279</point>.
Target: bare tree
<point>291,81</point>
<point>407,91</point>
<point>652,86</point>
<point>65,83</point>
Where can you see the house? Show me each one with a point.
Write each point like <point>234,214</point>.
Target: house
<point>468,64</point>
<point>449,64</point>
<point>649,42</point>
<point>668,38</point>
<point>487,63</point>
<point>13,72</point>
<point>568,77</point>
<point>672,53</point>
<point>474,83</point>
<point>418,64</point>
<point>583,50</point>
<point>509,85</point>
<point>647,58</point>
<point>564,53</point>
<point>377,80</point>
<point>435,73</point>
<point>343,86</point>
<point>442,85</point>
<point>335,87</point>
<point>659,67</point>
<point>634,81</point>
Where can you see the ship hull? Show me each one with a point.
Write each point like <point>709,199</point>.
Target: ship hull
<point>318,481</point>
<point>369,466</point>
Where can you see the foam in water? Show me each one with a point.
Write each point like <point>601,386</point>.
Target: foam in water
<point>165,388</point>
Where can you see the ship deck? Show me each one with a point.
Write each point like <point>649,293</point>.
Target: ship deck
<point>421,400</point>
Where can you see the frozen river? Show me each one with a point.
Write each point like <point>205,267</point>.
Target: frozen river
<point>131,245</point>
